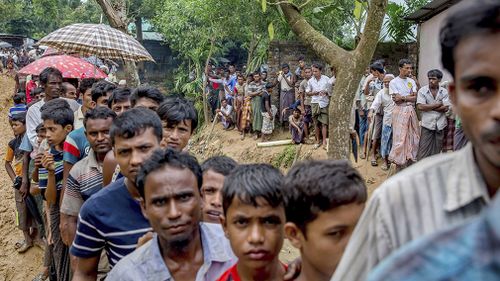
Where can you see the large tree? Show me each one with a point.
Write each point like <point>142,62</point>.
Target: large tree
<point>350,65</point>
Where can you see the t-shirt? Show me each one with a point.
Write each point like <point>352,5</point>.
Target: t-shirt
<point>76,146</point>
<point>43,174</point>
<point>17,109</point>
<point>15,155</point>
<point>232,274</point>
<point>266,98</point>
<point>403,87</point>
<point>111,220</point>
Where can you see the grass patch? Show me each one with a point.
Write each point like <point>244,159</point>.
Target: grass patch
<point>285,158</point>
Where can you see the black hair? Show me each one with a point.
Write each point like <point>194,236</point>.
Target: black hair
<point>59,111</point>
<point>44,75</point>
<point>297,110</point>
<point>36,91</point>
<point>377,67</point>
<point>99,112</point>
<point>86,84</point>
<point>435,73</point>
<point>301,58</point>
<point>255,73</point>
<point>18,98</point>
<point>312,187</point>
<point>134,122</point>
<point>119,95</point>
<point>402,62</point>
<point>317,65</point>
<point>285,65</point>
<point>175,109</point>
<point>250,182</point>
<point>146,92</point>
<point>39,128</point>
<point>19,117</point>
<point>101,89</point>
<point>269,85</point>
<point>470,18</point>
<point>64,86</point>
<point>161,158</point>
<point>220,164</point>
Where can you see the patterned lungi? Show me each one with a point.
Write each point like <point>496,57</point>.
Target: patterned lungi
<point>405,135</point>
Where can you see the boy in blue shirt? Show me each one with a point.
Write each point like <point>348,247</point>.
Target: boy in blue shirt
<point>19,105</point>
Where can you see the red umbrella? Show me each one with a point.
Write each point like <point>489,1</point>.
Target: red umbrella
<point>71,67</point>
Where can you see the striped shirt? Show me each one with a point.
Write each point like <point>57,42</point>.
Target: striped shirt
<point>111,220</point>
<point>76,146</point>
<point>43,174</point>
<point>17,109</point>
<point>437,192</point>
<point>84,180</point>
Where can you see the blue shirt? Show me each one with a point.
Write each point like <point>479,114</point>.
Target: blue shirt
<point>76,146</point>
<point>17,109</point>
<point>466,252</point>
<point>26,144</point>
<point>111,220</point>
<point>146,263</point>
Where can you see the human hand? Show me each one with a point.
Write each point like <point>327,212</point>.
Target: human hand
<point>398,99</point>
<point>293,270</point>
<point>38,160</point>
<point>48,161</point>
<point>24,189</point>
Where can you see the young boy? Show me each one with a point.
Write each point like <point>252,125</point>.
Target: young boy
<point>225,112</point>
<point>19,106</point>
<point>214,170</point>
<point>253,222</point>
<point>14,166</point>
<point>58,120</point>
<point>296,124</point>
<point>323,202</point>
<point>268,112</point>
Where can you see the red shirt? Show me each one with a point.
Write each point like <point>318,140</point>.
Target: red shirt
<point>232,274</point>
<point>30,86</point>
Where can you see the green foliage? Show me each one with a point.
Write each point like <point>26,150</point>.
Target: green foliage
<point>285,158</point>
<point>398,28</point>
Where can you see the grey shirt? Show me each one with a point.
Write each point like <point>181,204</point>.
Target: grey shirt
<point>435,193</point>
<point>146,263</point>
<point>433,120</point>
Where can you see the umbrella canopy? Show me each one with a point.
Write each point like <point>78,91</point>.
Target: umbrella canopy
<point>71,67</point>
<point>99,40</point>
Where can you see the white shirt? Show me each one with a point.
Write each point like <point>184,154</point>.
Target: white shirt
<point>403,87</point>
<point>433,120</point>
<point>315,85</point>
<point>385,100</point>
<point>283,84</point>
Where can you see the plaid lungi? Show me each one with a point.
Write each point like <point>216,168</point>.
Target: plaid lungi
<point>405,135</point>
<point>246,114</point>
<point>449,133</point>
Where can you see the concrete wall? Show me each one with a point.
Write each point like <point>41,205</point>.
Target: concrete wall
<point>429,48</point>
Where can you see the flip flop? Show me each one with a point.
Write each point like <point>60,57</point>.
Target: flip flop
<point>40,277</point>
<point>384,167</point>
<point>316,146</point>
<point>374,163</point>
<point>25,247</point>
<point>19,244</point>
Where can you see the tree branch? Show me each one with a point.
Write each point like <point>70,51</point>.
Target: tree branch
<point>324,47</point>
<point>371,32</point>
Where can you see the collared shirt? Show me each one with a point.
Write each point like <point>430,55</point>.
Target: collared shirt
<point>84,180</point>
<point>403,87</point>
<point>432,194</point>
<point>79,116</point>
<point>317,85</point>
<point>384,100</point>
<point>461,253</point>
<point>433,120</point>
<point>146,263</point>
<point>76,146</point>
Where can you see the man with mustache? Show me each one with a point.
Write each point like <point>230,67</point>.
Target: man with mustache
<point>443,190</point>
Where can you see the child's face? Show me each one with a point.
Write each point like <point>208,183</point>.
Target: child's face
<point>176,136</point>
<point>296,114</point>
<point>40,136</point>
<point>211,195</point>
<point>256,233</point>
<point>55,133</point>
<point>327,237</point>
<point>18,128</point>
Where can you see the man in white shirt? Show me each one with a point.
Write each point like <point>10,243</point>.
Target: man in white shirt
<point>433,102</point>
<point>317,89</point>
<point>406,133</point>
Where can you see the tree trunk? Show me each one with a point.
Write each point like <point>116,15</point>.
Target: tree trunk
<point>206,114</point>
<point>350,67</point>
<point>116,13</point>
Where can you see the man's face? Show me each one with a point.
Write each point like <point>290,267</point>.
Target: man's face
<point>263,76</point>
<point>308,73</point>
<point>405,70</point>
<point>53,87</point>
<point>256,233</point>
<point>285,70</point>
<point>224,103</point>
<point>433,82</point>
<point>327,237</point>
<point>302,63</point>
<point>147,103</point>
<point>120,107</point>
<point>212,197</point>
<point>241,81</point>
<point>55,133</point>
<point>87,99</point>
<point>18,128</point>
<point>132,152</point>
<point>97,131</point>
<point>103,100</point>
<point>476,94</point>
<point>176,136</point>
<point>231,69</point>
<point>70,91</point>
<point>316,72</point>
<point>172,205</point>
<point>256,78</point>
<point>387,81</point>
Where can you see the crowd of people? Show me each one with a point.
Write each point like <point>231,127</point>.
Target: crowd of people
<point>106,186</point>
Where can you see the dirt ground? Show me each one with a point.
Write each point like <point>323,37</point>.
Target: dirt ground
<point>14,266</point>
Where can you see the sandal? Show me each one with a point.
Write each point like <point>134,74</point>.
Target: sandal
<point>41,277</point>
<point>316,146</point>
<point>384,167</point>
<point>374,163</point>
<point>24,247</point>
<point>19,244</point>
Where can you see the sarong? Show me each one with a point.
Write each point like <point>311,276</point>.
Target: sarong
<point>307,114</point>
<point>246,114</point>
<point>267,123</point>
<point>405,135</point>
<point>60,252</point>
<point>449,133</point>
<point>256,114</point>
<point>296,136</point>
<point>286,100</point>
<point>431,142</point>
<point>460,140</point>
<point>238,108</point>
<point>377,127</point>
<point>386,141</point>
<point>320,114</point>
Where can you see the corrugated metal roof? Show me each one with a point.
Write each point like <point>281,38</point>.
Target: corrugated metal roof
<point>433,8</point>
